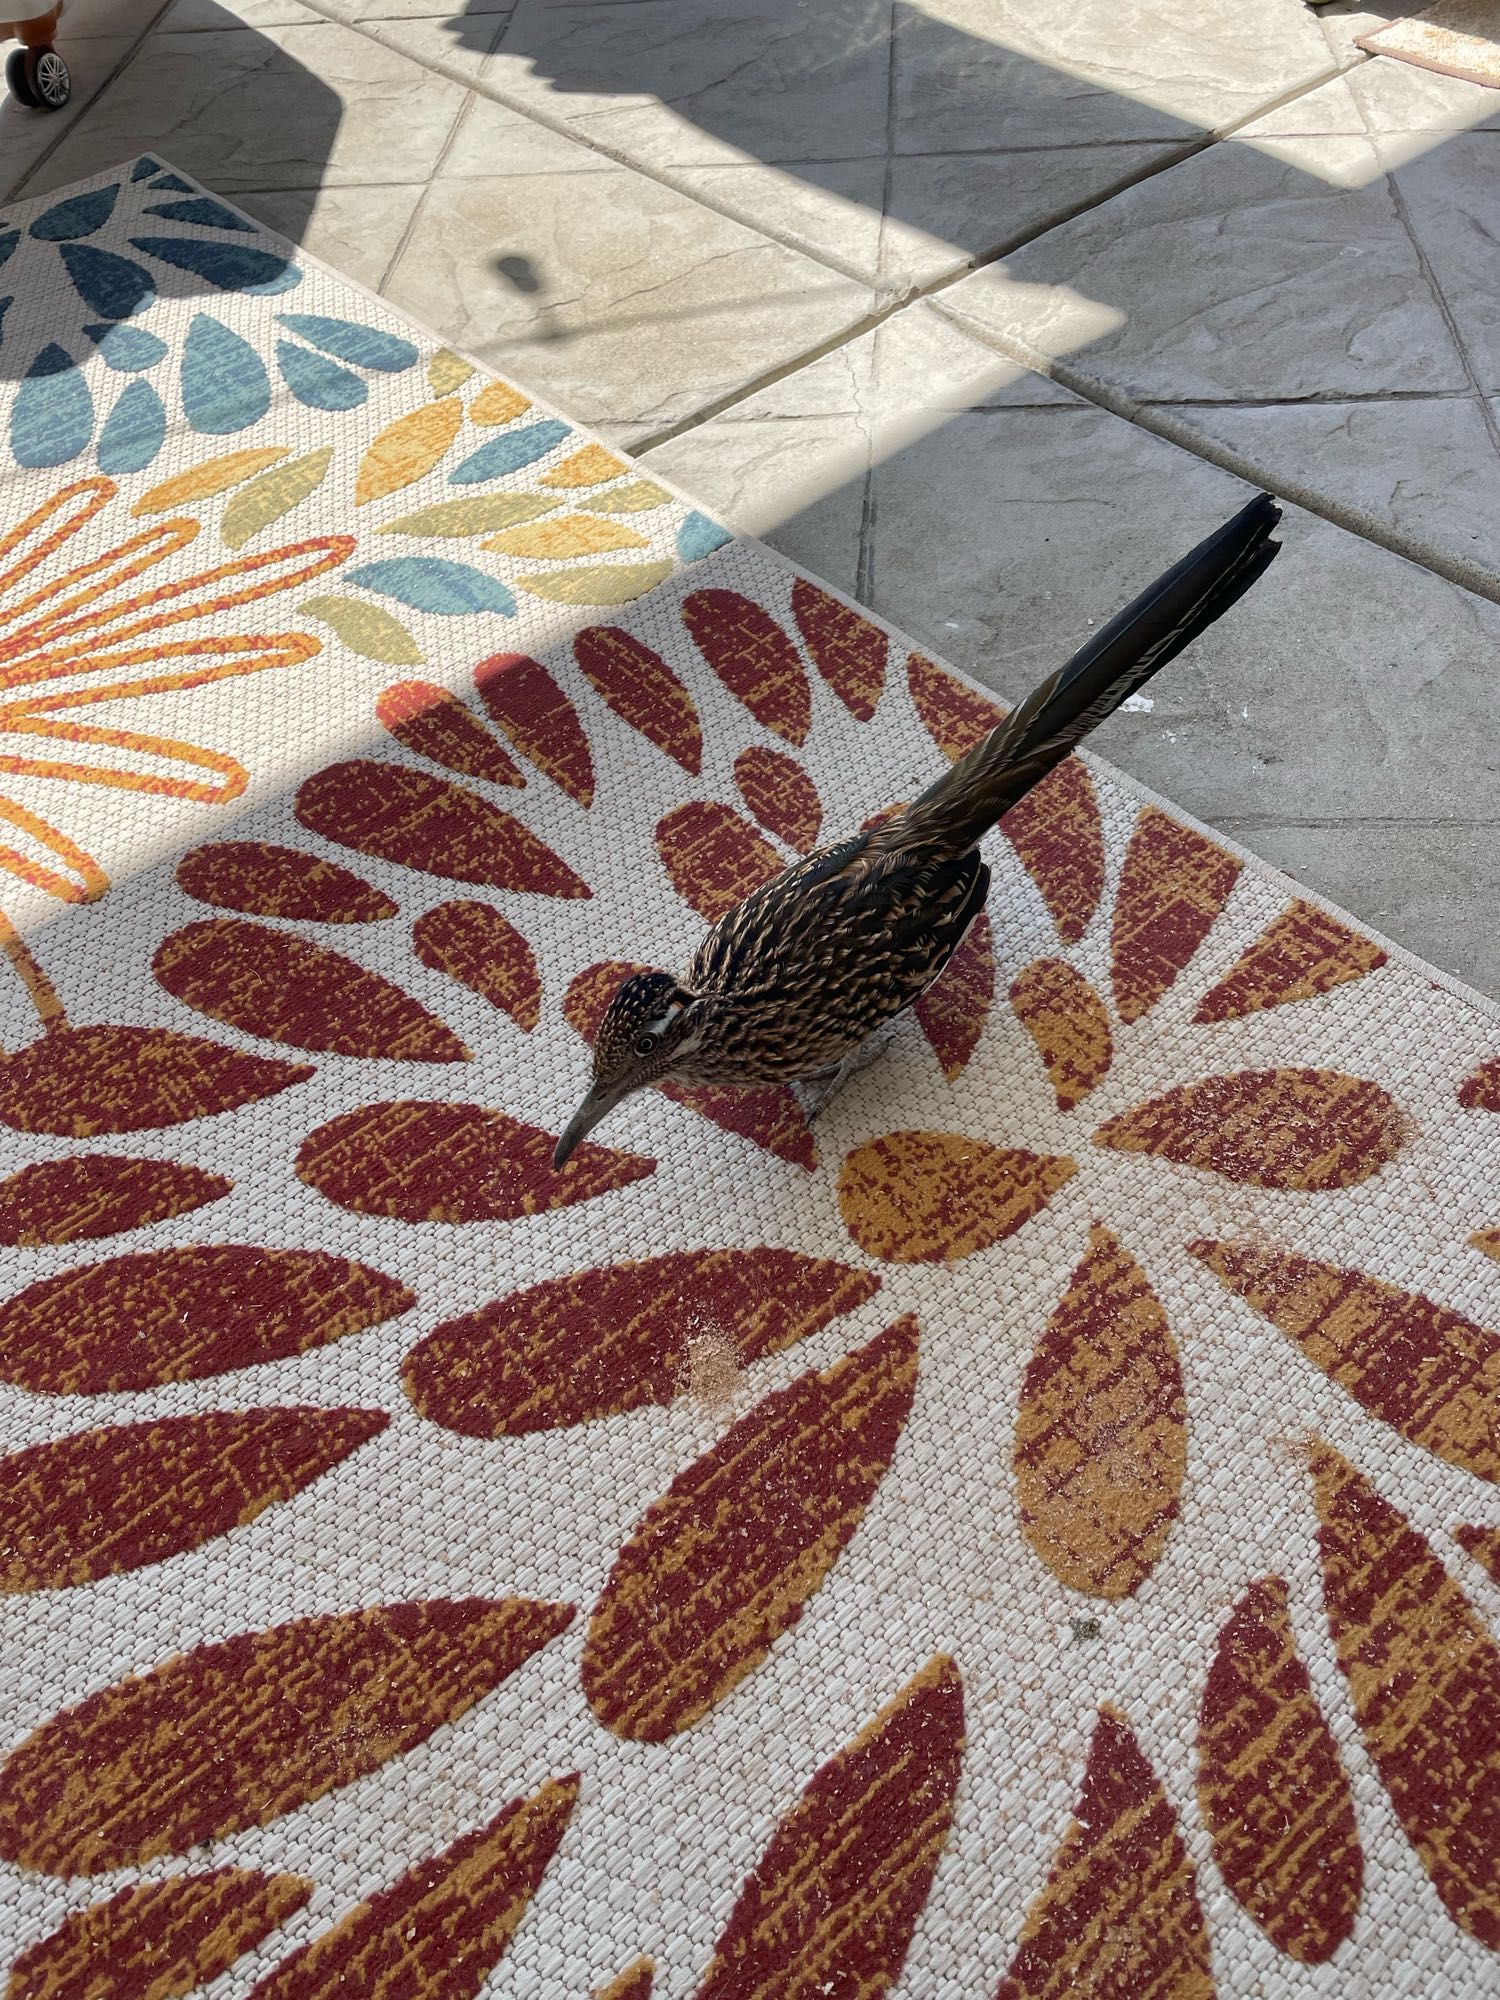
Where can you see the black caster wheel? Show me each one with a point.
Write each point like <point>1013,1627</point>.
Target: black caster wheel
<point>38,78</point>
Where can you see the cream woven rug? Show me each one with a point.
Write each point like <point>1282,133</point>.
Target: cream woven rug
<point>1034,1533</point>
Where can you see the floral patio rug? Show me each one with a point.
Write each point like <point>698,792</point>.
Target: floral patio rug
<point>1032,1533</point>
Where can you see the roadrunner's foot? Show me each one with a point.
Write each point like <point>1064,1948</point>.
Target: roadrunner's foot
<point>818,1092</point>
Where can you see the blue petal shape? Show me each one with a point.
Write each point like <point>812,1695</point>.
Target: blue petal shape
<point>233,267</point>
<point>114,287</point>
<point>225,386</point>
<point>365,346</point>
<point>699,537</point>
<point>127,349</point>
<point>509,453</point>
<point>9,238</point>
<point>321,384</point>
<point>79,215</point>
<point>144,168</point>
<point>173,183</point>
<point>428,583</point>
<point>5,305</point>
<point>212,214</point>
<point>52,418</point>
<point>133,431</point>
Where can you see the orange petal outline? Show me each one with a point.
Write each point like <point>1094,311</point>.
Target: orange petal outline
<point>98,493</point>
<point>93,881</point>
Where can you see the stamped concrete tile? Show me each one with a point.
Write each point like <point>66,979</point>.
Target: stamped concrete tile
<point>691,82</point>
<point>356,231</point>
<point>274,107</point>
<point>1399,97</point>
<point>829,209</point>
<point>83,20</point>
<point>492,139</point>
<point>623,301</point>
<point>1266,271</point>
<point>458,45</point>
<point>1449,193</point>
<point>194,16</point>
<point>1329,109</point>
<point>1045,72</point>
<point>411,10</point>
<point>26,135</point>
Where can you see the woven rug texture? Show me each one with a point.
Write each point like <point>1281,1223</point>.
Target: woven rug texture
<point>1031,1533</point>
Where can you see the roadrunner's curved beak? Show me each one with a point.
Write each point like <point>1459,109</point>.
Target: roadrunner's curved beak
<point>598,1104</point>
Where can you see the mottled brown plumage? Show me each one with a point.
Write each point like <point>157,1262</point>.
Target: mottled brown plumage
<point>792,982</point>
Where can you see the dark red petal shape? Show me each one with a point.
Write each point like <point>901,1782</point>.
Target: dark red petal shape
<point>288,989</point>
<point>780,794</point>
<point>99,1194</point>
<point>542,724</point>
<point>642,690</point>
<point>484,951</point>
<point>425,822</point>
<point>953,1010</point>
<point>714,856</point>
<point>263,880</point>
<point>1058,834</point>
<point>105,1078</point>
<point>433,722</point>
<point>847,650</point>
<point>178,1315</point>
<point>1481,1091</point>
<point>1173,885</point>
<point>754,659</point>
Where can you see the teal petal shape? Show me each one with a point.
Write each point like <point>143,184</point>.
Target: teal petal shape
<point>211,214</point>
<point>365,346</point>
<point>225,386</point>
<point>114,287</point>
<point>127,349</point>
<point>9,238</point>
<point>5,306</point>
<point>699,537</point>
<point>52,418</point>
<point>319,383</point>
<point>173,184</point>
<point>144,169</point>
<point>429,583</point>
<point>233,267</point>
<point>79,215</point>
<point>509,453</point>
<point>133,431</point>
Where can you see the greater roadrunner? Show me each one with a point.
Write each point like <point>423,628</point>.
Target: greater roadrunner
<point>790,984</point>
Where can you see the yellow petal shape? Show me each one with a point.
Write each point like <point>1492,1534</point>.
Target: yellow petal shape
<point>366,630</point>
<point>407,449</point>
<point>447,371</point>
<point>589,467</point>
<point>638,497</point>
<point>497,404</point>
<point>274,493</point>
<point>573,535</point>
<point>480,515</point>
<point>202,482</point>
<point>933,1197</point>
<point>600,583</point>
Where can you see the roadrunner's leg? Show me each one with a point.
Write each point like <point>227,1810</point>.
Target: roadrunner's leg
<point>818,1092</point>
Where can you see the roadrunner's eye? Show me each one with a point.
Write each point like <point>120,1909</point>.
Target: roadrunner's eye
<point>646,1046</point>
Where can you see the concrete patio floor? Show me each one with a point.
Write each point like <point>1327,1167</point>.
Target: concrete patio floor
<point>982,309</point>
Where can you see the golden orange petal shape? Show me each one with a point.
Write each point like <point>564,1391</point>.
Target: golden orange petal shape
<point>754,658</point>
<point>263,880</point>
<point>406,450</point>
<point>1481,1091</point>
<point>1487,1240</point>
<point>422,1162</point>
<point>1173,885</point>
<point>120,1498</point>
<point>1069,1025</point>
<point>847,650</point>
<point>933,1197</point>
<point>1420,1367</point>
<point>288,989</point>
<point>178,1315</point>
<point>953,1010</point>
<point>1101,1433</point>
<point>1310,1129</point>
<point>642,690</point>
<point>722,1565</point>
<point>634,1983</point>
<point>236,1733</point>
<point>714,856</point>
<point>1271,1786</point>
<point>432,722</point>
<point>1424,1679</point>
<point>1305,952</point>
<point>484,951</point>
<point>831,1905</point>
<point>780,794</point>
<point>769,1115</point>
<point>1119,1918</point>
<point>438,1931</point>
<point>99,1194</point>
<point>107,1078</point>
<point>618,1337</point>
<point>157,1940</point>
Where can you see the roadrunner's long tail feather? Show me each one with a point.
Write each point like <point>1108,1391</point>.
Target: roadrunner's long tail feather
<point>966,801</point>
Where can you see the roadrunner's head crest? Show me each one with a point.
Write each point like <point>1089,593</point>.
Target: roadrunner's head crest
<point>644,1030</point>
